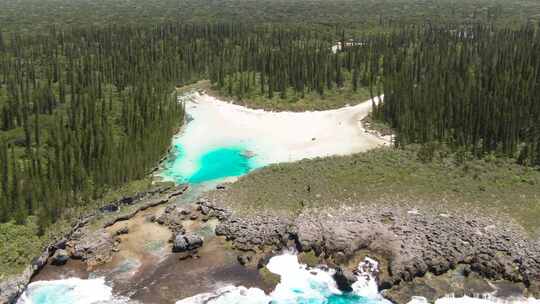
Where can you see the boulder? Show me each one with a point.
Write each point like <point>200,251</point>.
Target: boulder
<point>344,279</point>
<point>60,257</point>
<point>244,259</point>
<point>203,209</point>
<point>94,247</point>
<point>186,242</point>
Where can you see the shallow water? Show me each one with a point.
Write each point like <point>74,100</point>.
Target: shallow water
<point>200,154</point>
<point>298,285</point>
<point>212,164</point>
<point>302,285</point>
<point>221,140</point>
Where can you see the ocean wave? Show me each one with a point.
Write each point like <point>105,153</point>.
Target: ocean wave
<point>70,291</point>
<point>299,284</point>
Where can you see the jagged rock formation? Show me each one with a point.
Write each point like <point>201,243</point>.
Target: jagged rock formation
<point>409,243</point>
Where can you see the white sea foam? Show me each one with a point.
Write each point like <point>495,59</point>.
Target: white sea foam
<point>70,291</point>
<point>366,285</point>
<point>230,295</point>
<point>298,284</point>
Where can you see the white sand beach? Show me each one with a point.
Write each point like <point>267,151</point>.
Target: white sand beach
<point>276,136</point>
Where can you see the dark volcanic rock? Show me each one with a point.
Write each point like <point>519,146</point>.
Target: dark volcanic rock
<point>244,259</point>
<point>344,279</point>
<point>186,242</point>
<point>121,231</point>
<point>172,217</point>
<point>60,257</point>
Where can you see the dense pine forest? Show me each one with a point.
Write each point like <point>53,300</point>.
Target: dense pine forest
<point>476,89</point>
<point>85,109</point>
<point>358,15</point>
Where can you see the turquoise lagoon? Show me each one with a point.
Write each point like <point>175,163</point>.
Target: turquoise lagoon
<point>210,165</point>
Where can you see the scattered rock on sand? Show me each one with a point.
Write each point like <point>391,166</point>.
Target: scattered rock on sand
<point>185,242</point>
<point>123,230</point>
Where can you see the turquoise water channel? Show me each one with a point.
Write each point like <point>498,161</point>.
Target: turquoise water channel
<point>210,165</point>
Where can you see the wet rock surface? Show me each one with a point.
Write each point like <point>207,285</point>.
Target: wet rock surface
<point>13,287</point>
<point>93,247</point>
<point>411,244</point>
<point>344,279</point>
<point>60,257</point>
<point>423,253</point>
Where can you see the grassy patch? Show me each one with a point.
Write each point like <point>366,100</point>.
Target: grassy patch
<point>269,277</point>
<point>127,190</point>
<point>449,182</point>
<point>309,258</point>
<point>19,244</point>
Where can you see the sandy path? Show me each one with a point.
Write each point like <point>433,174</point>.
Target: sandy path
<point>275,136</point>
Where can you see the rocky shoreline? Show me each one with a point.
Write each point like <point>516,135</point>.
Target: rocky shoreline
<point>81,242</point>
<point>409,244</point>
<point>420,253</point>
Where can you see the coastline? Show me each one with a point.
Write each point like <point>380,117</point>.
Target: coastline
<point>410,244</point>
<point>12,287</point>
<point>494,257</point>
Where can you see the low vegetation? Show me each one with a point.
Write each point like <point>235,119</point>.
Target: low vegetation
<point>311,101</point>
<point>19,245</point>
<point>415,176</point>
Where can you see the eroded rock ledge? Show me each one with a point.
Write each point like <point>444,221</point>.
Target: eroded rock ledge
<point>94,246</point>
<point>410,244</point>
<point>416,250</point>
